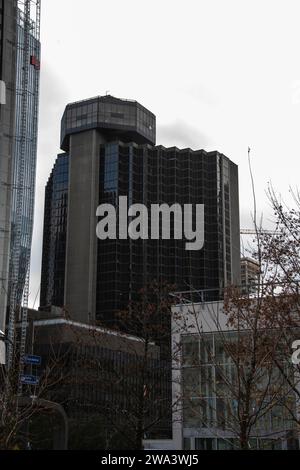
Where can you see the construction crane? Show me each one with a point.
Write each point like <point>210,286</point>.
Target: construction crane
<point>28,51</point>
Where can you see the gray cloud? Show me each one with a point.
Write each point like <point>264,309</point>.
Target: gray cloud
<point>201,93</point>
<point>180,134</point>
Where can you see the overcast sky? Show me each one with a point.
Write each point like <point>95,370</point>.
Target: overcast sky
<point>218,74</point>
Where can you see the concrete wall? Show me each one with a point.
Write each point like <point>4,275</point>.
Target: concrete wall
<point>81,258</point>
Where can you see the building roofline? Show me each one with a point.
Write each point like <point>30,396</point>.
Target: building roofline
<point>109,98</point>
<point>84,326</point>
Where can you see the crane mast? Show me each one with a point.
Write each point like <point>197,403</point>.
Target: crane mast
<point>23,189</point>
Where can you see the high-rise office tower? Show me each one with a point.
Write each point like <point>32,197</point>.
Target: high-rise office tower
<point>24,168</point>
<point>110,150</point>
<point>20,65</point>
<point>25,146</point>
<point>8,47</point>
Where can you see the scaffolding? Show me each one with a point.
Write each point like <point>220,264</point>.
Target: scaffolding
<point>27,93</point>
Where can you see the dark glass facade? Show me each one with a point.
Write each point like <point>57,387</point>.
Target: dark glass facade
<point>157,175</point>
<point>103,376</point>
<point>149,175</point>
<point>55,230</point>
<point>126,119</point>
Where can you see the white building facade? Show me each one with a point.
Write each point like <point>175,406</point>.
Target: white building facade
<point>204,405</point>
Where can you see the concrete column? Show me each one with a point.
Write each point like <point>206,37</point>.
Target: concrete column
<point>81,256</point>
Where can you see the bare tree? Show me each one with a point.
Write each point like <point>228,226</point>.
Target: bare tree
<point>231,383</point>
<point>280,251</point>
<point>18,409</point>
<point>253,378</point>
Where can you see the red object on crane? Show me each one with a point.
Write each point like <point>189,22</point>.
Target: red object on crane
<point>35,62</point>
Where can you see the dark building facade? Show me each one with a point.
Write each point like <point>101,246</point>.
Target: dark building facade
<point>55,232</point>
<point>104,374</point>
<point>111,151</point>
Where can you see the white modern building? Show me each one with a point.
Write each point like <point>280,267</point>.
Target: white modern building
<point>205,407</point>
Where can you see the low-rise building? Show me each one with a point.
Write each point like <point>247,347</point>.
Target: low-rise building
<point>250,270</point>
<point>98,375</point>
<point>209,386</point>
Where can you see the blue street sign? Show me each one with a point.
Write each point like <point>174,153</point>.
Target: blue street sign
<point>29,380</point>
<point>32,360</point>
